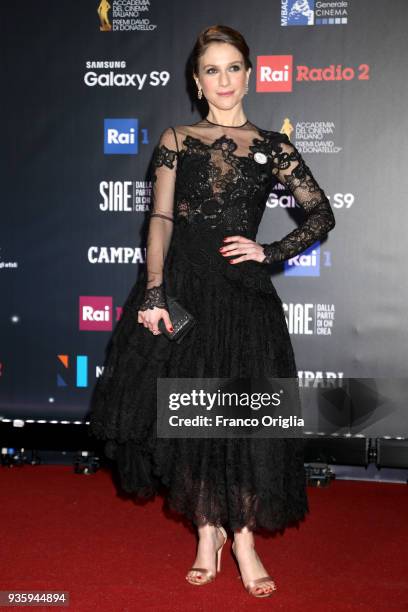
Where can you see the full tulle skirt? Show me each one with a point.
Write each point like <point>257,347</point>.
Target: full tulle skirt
<point>239,332</point>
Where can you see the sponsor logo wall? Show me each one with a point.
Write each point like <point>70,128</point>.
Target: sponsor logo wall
<point>85,109</point>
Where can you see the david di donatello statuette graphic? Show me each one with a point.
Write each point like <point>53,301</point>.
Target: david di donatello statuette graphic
<point>103,10</point>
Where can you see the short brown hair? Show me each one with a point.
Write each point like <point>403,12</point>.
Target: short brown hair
<point>219,33</point>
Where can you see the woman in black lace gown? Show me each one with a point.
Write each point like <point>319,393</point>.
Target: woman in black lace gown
<point>210,185</point>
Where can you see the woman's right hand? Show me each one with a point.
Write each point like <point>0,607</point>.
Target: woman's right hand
<point>150,319</point>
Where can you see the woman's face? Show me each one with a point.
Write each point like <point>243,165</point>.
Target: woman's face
<point>222,75</point>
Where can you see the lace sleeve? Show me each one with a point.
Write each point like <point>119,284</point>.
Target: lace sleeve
<point>164,164</point>
<point>295,175</point>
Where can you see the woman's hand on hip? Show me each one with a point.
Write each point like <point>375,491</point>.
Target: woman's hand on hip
<point>243,249</point>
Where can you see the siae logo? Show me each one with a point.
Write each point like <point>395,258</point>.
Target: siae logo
<point>121,136</point>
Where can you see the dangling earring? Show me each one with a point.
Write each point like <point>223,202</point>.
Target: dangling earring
<point>199,93</point>
<point>246,88</point>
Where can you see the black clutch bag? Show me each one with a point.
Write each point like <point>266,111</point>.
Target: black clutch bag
<point>181,319</point>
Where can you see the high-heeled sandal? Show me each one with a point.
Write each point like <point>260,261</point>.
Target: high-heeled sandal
<point>206,574</point>
<point>253,586</point>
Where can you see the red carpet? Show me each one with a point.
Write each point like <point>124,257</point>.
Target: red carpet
<point>63,531</point>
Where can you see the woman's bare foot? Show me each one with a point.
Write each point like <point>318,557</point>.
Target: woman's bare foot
<point>210,540</point>
<point>250,565</point>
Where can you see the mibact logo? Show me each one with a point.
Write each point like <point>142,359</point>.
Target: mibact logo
<point>121,136</point>
<point>306,263</point>
<point>295,12</point>
<point>305,13</point>
<point>274,73</point>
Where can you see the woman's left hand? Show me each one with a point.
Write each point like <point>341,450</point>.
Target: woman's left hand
<point>245,248</point>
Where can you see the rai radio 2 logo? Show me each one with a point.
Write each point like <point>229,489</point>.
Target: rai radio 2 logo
<point>274,73</point>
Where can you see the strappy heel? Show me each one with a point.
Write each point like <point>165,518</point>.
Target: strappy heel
<point>206,574</point>
<point>253,586</point>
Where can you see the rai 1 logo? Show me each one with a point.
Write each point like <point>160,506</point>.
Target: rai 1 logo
<point>121,136</point>
<point>306,263</point>
<point>103,10</point>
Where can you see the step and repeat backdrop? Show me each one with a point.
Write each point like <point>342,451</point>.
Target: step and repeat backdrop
<point>88,87</point>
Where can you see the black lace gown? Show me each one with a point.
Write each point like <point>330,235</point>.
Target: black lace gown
<point>209,182</point>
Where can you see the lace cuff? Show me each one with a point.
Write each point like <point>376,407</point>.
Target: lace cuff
<point>154,297</point>
<point>272,252</point>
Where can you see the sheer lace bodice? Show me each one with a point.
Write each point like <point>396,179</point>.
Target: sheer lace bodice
<point>215,180</point>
